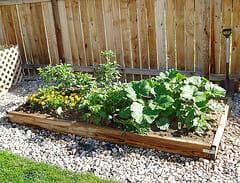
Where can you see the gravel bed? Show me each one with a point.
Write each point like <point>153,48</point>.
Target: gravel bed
<point>122,163</point>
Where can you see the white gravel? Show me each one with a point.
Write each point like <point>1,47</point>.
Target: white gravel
<point>122,163</point>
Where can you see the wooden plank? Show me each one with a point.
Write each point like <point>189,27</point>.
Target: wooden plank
<point>108,23</point>
<point>116,16</point>
<point>216,23</point>
<point>126,37</point>
<point>134,35</point>
<point>93,31</point>
<point>2,36</point>
<point>78,29</point>
<point>58,30</point>
<point>235,65</point>
<point>86,34</point>
<point>18,34</point>
<point>180,34</point>
<point>202,36</point>
<point>161,34</point>
<point>50,32</point>
<point>170,33</point>
<point>15,2</point>
<point>221,126</point>
<point>152,42</point>
<point>189,35</point>
<point>8,28</point>
<point>22,13</point>
<point>169,144</point>
<point>143,34</point>
<point>100,27</point>
<point>226,22</point>
<point>39,34</point>
<point>65,32</point>
<point>72,36</point>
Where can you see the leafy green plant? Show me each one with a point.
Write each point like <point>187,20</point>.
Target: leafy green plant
<point>107,74</point>
<point>170,100</point>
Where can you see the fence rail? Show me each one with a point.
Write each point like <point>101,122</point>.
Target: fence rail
<point>147,35</point>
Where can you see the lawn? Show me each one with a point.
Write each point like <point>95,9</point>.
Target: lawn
<point>14,168</point>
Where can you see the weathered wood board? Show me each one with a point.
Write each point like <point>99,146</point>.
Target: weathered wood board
<point>163,143</point>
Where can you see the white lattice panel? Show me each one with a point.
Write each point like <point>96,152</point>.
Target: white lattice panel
<point>10,70</point>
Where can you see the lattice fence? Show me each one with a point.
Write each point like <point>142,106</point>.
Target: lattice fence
<point>10,70</point>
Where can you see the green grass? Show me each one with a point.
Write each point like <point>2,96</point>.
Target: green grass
<point>16,169</point>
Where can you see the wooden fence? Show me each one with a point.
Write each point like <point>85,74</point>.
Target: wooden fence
<point>147,35</point>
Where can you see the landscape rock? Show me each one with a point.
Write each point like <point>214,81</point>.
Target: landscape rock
<point>120,162</point>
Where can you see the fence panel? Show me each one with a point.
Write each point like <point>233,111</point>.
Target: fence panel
<point>147,35</point>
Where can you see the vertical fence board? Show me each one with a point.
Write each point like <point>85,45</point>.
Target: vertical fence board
<point>18,33</point>
<point>50,32</point>
<point>189,35</point>
<point>86,34</point>
<point>134,34</point>
<point>125,24</point>
<point>93,31</point>
<point>171,32</point>
<point>78,30</point>
<point>64,31</point>
<point>8,26</point>
<point>202,35</point>
<point>72,35</point>
<point>100,26</point>
<point>117,31</point>
<point>39,35</point>
<point>152,44</point>
<point>26,37</point>
<point>180,34</point>
<point>235,65</point>
<point>226,22</point>
<point>108,21</point>
<point>161,34</point>
<point>215,36</point>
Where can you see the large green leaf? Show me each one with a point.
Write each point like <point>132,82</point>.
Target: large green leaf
<point>125,113</point>
<point>215,90</point>
<point>130,92</point>
<point>187,91</point>
<point>150,115</point>
<point>137,112</point>
<point>163,123</point>
<point>200,97</point>
<point>142,88</point>
<point>195,80</point>
<point>164,101</point>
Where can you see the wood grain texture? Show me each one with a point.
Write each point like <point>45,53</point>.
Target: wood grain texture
<point>216,34</point>
<point>145,34</point>
<point>235,64</point>
<point>168,144</point>
<point>170,33</point>
<point>226,23</point>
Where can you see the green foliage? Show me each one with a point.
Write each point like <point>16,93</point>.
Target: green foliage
<point>170,99</point>
<point>107,74</point>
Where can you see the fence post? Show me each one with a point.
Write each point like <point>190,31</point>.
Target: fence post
<point>58,30</point>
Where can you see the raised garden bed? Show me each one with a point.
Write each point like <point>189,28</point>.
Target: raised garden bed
<point>170,112</point>
<point>152,140</point>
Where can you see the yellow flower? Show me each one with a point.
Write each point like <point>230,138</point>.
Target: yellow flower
<point>43,103</point>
